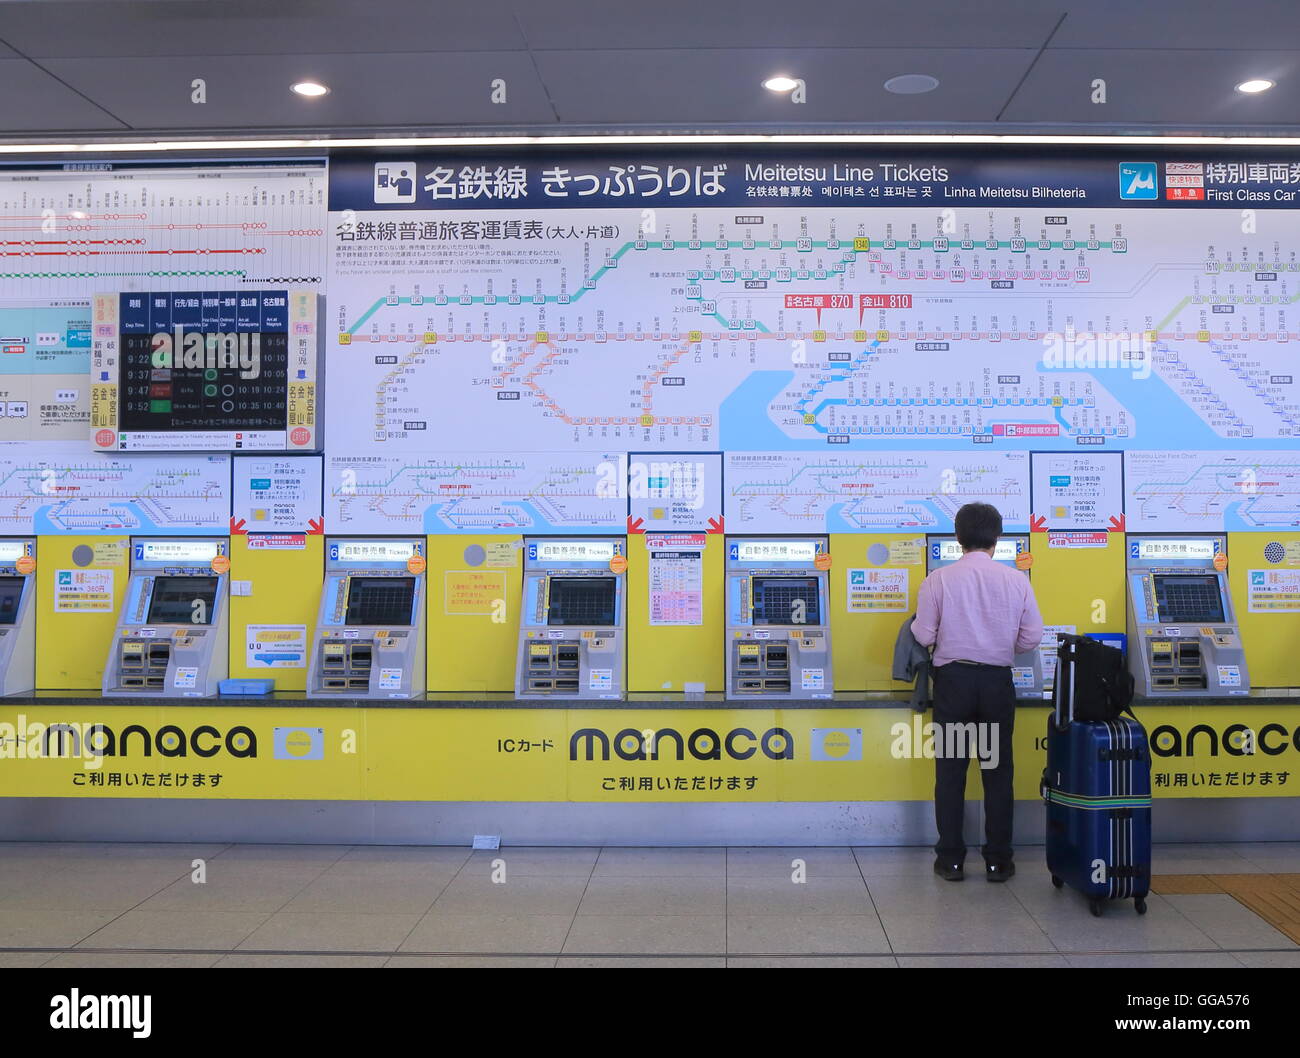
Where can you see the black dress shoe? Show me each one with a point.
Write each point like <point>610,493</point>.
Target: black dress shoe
<point>999,872</point>
<point>949,872</point>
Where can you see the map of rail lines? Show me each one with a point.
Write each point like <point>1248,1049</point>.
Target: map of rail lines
<point>780,492</point>
<point>814,329</point>
<point>68,490</point>
<point>475,492</point>
<point>1212,491</point>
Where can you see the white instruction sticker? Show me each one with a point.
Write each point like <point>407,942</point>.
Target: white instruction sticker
<point>600,679</point>
<point>186,676</point>
<point>390,679</point>
<point>1229,675</point>
<point>813,679</point>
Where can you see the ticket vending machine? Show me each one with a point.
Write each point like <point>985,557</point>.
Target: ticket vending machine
<point>1026,668</point>
<point>778,618</point>
<point>1183,639</point>
<point>572,627</point>
<point>171,639</point>
<point>370,629</point>
<point>17,615</point>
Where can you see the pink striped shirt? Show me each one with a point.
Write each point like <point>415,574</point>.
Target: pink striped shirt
<point>977,610</point>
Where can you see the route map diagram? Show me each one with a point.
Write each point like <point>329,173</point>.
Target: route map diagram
<point>786,492</point>
<point>78,231</point>
<point>812,329</point>
<point>68,490</point>
<point>1212,491</point>
<point>475,492</point>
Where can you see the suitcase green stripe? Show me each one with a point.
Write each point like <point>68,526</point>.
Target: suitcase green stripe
<point>1081,801</point>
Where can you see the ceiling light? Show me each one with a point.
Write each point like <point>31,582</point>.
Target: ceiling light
<point>1255,85</point>
<point>310,88</point>
<point>911,84</point>
<point>780,83</point>
<point>94,147</point>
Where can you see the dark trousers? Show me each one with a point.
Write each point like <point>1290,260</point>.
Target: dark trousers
<point>976,695</point>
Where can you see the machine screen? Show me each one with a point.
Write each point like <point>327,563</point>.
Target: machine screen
<point>1188,598</point>
<point>581,601</point>
<point>775,599</point>
<point>380,600</point>
<point>173,598</point>
<point>11,594</point>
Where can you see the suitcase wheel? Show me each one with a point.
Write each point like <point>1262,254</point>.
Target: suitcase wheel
<point>1140,904</point>
<point>1057,882</point>
<point>1095,907</point>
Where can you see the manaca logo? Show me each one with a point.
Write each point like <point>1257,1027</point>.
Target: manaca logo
<point>668,743</point>
<point>1236,740</point>
<point>94,741</point>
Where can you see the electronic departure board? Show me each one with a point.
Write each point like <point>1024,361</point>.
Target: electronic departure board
<point>190,370</point>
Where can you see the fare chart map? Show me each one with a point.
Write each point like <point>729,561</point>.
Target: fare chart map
<point>474,492</point>
<point>950,315</point>
<point>1209,491</point>
<point>789,492</point>
<point>70,490</point>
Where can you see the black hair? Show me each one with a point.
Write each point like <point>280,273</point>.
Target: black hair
<point>978,526</point>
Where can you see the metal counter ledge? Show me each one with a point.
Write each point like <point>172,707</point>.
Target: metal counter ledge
<point>712,700</point>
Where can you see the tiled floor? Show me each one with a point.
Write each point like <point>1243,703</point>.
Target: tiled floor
<point>316,905</point>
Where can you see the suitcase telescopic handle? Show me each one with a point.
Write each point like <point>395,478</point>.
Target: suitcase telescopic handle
<point>1059,687</point>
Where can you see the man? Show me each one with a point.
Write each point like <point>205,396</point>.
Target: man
<point>978,614</point>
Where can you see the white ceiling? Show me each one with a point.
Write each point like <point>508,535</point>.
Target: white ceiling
<point>118,68</point>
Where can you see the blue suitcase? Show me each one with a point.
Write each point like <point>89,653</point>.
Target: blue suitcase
<point>1097,786</point>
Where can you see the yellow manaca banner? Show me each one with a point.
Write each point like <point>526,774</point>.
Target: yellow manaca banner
<point>632,755</point>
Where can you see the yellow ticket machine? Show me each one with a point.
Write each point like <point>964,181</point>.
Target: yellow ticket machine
<point>1183,639</point>
<point>171,637</point>
<point>778,618</point>
<point>370,629</point>
<point>572,628</point>
<point>17,615</point>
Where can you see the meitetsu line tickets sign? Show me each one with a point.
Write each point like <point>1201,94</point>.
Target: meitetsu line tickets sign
<point>204,370</point>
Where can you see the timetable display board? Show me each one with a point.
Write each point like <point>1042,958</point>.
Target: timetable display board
<point>204,370</point>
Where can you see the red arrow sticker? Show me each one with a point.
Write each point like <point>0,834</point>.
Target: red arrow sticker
<point>1116,524</point>
<point>715,524</point>
<point>237,527</point>
<point>1038,523</point>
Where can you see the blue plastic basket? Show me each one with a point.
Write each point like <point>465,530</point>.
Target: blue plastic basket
<point>246,686</point>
